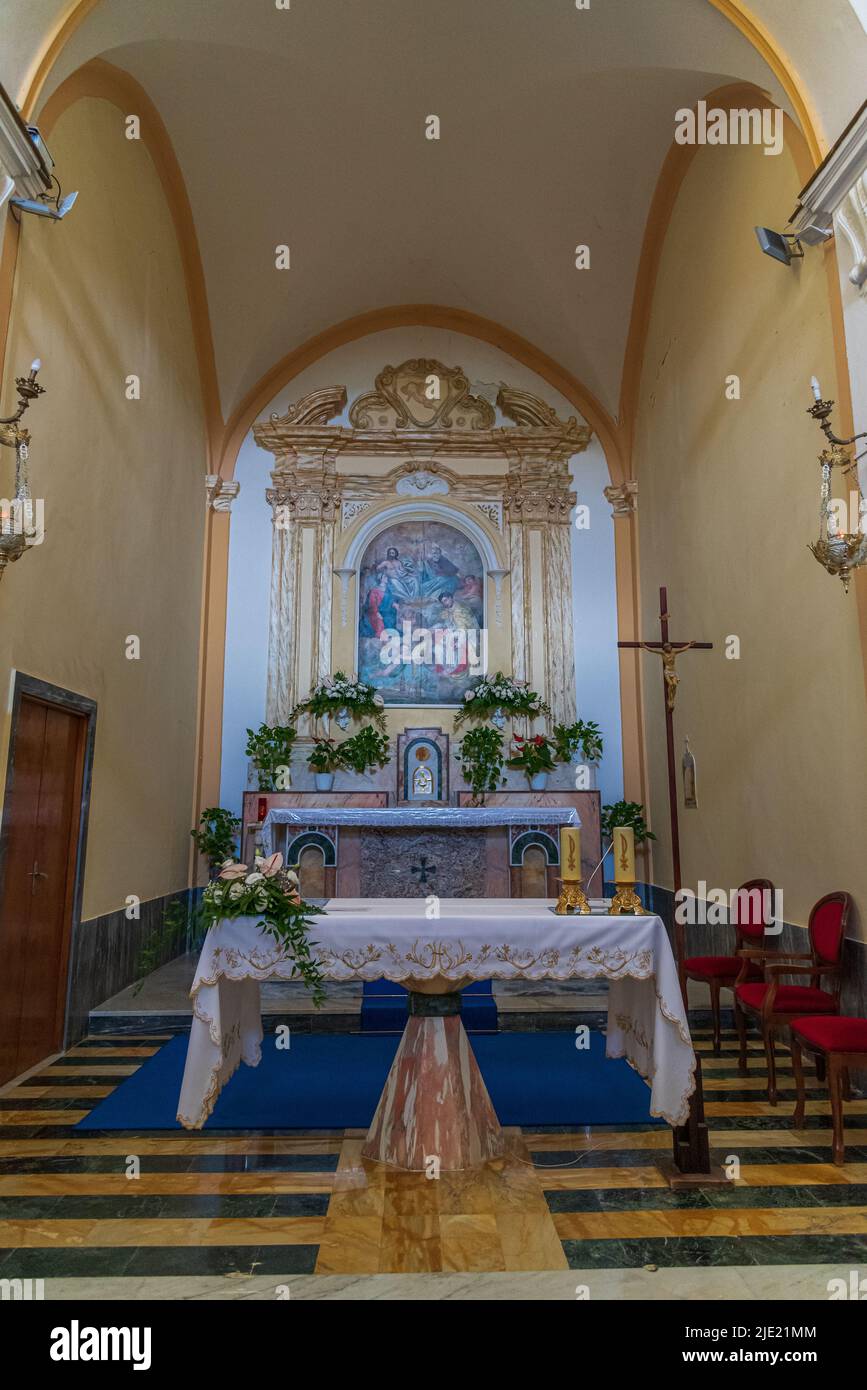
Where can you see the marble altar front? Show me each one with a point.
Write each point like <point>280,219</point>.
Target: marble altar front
<point>415,851</point>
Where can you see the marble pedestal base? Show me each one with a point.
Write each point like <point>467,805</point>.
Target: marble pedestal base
<point>435,1104</point>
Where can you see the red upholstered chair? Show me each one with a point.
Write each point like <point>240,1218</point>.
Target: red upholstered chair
<point>772,1004</point>
<point>840,1043</point>
<point>721,972</point>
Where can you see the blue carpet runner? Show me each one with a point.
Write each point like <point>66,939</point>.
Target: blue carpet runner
<point>333,1081</point>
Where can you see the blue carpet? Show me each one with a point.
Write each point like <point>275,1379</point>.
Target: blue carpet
<point>333,1081</point>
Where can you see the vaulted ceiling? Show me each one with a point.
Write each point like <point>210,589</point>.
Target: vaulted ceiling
<point>306,126</point>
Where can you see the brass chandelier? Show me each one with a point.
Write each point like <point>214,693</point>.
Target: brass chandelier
<point>15,524</point>
<point>838,550</point>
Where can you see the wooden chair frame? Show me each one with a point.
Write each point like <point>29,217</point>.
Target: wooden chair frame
<point>838,1064</point>
<point>784,963</point>
<point>717,982</point>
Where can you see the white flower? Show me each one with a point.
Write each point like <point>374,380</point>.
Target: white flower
<point>378,701</point>
<point>262,901</point>
<point>254,878</point>
<point>236,891</point>
<point>470,694</point>
<point>292,878</point>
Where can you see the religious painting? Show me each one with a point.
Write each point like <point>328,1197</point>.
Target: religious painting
<point>421,587</point>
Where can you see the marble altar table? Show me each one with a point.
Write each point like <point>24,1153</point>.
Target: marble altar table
<point>435,1102</point>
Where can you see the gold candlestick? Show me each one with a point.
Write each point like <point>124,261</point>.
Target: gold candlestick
<point>626,900</point>
<point>572,897</point>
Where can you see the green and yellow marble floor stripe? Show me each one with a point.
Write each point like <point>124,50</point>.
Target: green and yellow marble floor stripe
<point>246,1206</point>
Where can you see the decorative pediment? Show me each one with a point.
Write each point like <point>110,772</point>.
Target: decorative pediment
<point>421,394</point>
<point>417,408</point>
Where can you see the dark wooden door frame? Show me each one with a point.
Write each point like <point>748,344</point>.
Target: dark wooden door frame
<point>68,700</point>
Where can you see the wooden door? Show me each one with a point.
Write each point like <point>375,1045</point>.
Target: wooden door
<point>41,826</point>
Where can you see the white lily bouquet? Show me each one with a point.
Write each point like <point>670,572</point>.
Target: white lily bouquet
<point>341,692</point>
<point>488,694</point>
<point>273,893</point>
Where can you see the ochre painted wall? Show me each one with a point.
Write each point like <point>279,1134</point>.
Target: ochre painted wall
<point>728,500</point>
<point>98,297</point>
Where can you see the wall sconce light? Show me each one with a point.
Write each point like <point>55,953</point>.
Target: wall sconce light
<point>17,532</point>
<point>838,550</point>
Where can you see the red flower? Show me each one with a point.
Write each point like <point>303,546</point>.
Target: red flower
<point>538,740</point>
<point>518,738</point>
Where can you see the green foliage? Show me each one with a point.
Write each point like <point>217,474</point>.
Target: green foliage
<point>626,813</point>
<point>366,750</point>
<point>324,756</point>
<point>277,902</point>
<point>181,918</point>
<point>481,752</point>
<point>270,747</point>
<point>584,737</point>
<point>487,694</point>
<point>216,834</point>
<point>533,755</point>
<point>339,692</point>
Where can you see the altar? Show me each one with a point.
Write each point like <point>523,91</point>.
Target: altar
<point>358,845</point>
<point>435,1101</point>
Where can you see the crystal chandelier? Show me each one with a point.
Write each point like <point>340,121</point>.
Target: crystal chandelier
<point>838,550</point>
<point>16,522</point>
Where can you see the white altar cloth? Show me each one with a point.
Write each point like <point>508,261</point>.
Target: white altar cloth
<point>471,939</point>
<point>416,817</point>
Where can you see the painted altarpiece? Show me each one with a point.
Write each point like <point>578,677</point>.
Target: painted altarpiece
<point>473,496</point>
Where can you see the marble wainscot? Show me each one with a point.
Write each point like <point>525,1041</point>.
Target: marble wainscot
<point>414,851</point>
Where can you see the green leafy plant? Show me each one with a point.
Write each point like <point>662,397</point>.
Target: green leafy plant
<point>629,813</point>
<point>216,834</point>
<point>481,753</point>
<point>488,694</point>
<point>182,922</point>
<point>584,737</point>
<point>270,747</point>
<point>324,756</point>
<point>339,692</point>
<point>271,893</point>
<point>532,755</point>
<point>366,750</point>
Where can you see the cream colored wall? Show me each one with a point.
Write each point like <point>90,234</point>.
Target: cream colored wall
<point>728,499</point>
<point>98,297</point>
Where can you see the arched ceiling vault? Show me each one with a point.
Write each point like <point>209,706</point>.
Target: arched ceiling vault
<point>306,127</point>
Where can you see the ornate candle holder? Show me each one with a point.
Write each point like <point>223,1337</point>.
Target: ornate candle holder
<point>572,897</point>
<point>626,900</point>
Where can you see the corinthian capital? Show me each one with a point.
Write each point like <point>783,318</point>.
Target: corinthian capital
<point>623,497</point>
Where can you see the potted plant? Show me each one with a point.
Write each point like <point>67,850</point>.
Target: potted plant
<point>324,760</point>
<point>535,758</point>
<point>270,748</point>
<point>364,751</point>
<point>629,813</point>
<point>216,834</point>
<point>481,755</point>
<point>582,739</point>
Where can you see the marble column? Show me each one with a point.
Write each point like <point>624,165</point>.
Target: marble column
<point>281,694</point>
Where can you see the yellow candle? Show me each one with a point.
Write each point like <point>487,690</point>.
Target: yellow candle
<point>624,854</point>
<point>570,853</point>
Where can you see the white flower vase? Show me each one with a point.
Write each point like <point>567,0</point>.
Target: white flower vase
<point>324,781</point>
<point>343,718</point>
<point>498,719</point>
<point>538,782</point>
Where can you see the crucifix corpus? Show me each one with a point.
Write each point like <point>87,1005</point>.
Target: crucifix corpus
<point>670,651</point>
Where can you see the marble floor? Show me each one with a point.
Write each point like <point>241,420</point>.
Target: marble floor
<point>223,1215</point>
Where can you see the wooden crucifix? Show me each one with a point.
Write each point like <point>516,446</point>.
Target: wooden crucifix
<point>670,651</point>
<point>692,1163</point>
